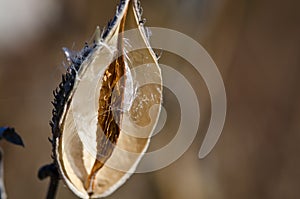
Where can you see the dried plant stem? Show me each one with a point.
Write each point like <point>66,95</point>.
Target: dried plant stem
<point>52,172</point>
<point>52,188</point>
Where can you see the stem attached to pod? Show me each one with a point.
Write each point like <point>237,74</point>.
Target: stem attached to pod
<point>52,172</point>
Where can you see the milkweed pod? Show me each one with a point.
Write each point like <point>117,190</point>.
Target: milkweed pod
<point>107,107</point>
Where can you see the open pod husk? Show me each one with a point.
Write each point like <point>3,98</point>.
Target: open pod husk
<point>107,107</point>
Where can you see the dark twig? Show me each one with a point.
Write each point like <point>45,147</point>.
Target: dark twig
<point>52,188</point>
<point>10,135</point>
<point>52,172</point>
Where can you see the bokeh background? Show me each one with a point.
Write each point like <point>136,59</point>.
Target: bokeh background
<point>256,46</point>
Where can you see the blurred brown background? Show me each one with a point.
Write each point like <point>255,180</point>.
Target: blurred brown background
<point>256,46</point>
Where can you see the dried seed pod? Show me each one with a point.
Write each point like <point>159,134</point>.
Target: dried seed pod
<point>106,107</point>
